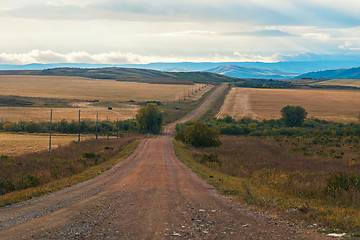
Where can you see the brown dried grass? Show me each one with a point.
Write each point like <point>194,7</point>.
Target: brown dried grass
<point>242,156</point>
<point>340,82</point>
<point>17,144</point>
<point>108,92</point>
<point>333,105</point>
<point>15,114</point>
<point>88,89</point>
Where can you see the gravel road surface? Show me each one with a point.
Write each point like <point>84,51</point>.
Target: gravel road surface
<point>150,195</point>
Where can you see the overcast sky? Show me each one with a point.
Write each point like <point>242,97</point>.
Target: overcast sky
<point>143,31</point>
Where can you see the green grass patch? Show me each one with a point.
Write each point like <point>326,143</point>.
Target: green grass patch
<point>216,105</point>
<point>176,110</point>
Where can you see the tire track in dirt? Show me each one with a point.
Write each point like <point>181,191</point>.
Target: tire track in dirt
<point>237,105</point>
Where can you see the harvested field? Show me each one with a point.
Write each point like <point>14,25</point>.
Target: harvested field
<point>89,89</point>
<point>340,82</point>
<point>15,114</point>
<point>332,105</point>
<point>107,92</point>
<point>16,144</point>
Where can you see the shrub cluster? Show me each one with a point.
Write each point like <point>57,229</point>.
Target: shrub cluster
<point>311,127</point>
<point>198,135</point>
<point>343,182</point>
<point>72,127</point>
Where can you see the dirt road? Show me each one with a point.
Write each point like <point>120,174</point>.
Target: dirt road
<point>151,195</point>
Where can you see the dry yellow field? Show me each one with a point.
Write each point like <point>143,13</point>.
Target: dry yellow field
<point>340,82</point>
<point>15,144</point>
<point>15,114</point>
<point>332,105</point>
<point>88,89</point>
<point>106,91</point>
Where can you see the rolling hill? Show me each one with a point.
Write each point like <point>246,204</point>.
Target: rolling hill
<point>248,72</point>
<point>352,73</point>
<point>128,74</point>
<point>299,67</point>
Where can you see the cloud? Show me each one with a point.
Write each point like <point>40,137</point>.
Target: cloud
<point>311,56</point>
<point>259,12</point>
<point>320,36</point>
<point>347,46</point>
<point>37,56</point>
<point>260,33</point>
<point>243,57</point>
<point>114,57</point>
<point>48,56</point>
<point>188,33</point>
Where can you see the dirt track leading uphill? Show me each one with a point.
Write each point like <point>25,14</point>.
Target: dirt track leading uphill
<point>151,195</point>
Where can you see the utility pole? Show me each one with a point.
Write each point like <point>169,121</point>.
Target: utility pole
<point>50,131</point>
<point>184,95</point>
<point>97,121</point>
<point>79,127</point>
<point>117,127</point>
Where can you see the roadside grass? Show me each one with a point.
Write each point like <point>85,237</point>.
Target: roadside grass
<point>216,105</point>
<point>250,172</point>
<point>178,109</point>
<point>77,166</point>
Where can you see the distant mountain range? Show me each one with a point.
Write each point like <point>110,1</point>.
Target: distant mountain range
<point>127,74</point>
<point>299,67</point>
<point>278,70</point>
<point>352,73</point>
<point>247,72</point>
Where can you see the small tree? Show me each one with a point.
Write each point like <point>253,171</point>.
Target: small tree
<point>149,118</point>
<point>200,135</point>
<point>293,116</point>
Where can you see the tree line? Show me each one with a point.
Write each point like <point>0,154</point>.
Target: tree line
<point>148,120</point>
<point>69,127</point>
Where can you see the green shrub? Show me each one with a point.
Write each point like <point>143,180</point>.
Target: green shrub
<point>212,157</point>
<point>6,186</point>
<point>29,181</point>
<point>149,118</point>
<point>293,116</point>
<point>200,135</point>
<point>342,181</point>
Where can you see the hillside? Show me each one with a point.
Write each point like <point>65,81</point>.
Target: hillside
<point>299,67</point>
<point>128,74</point>
<point>248,72</point>
<point>352,73</point>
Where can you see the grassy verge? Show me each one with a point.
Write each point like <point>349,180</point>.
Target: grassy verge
<point>176,110</point>
<point>216,105</point>
<point>89,173</point>
<point>261,188</point>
